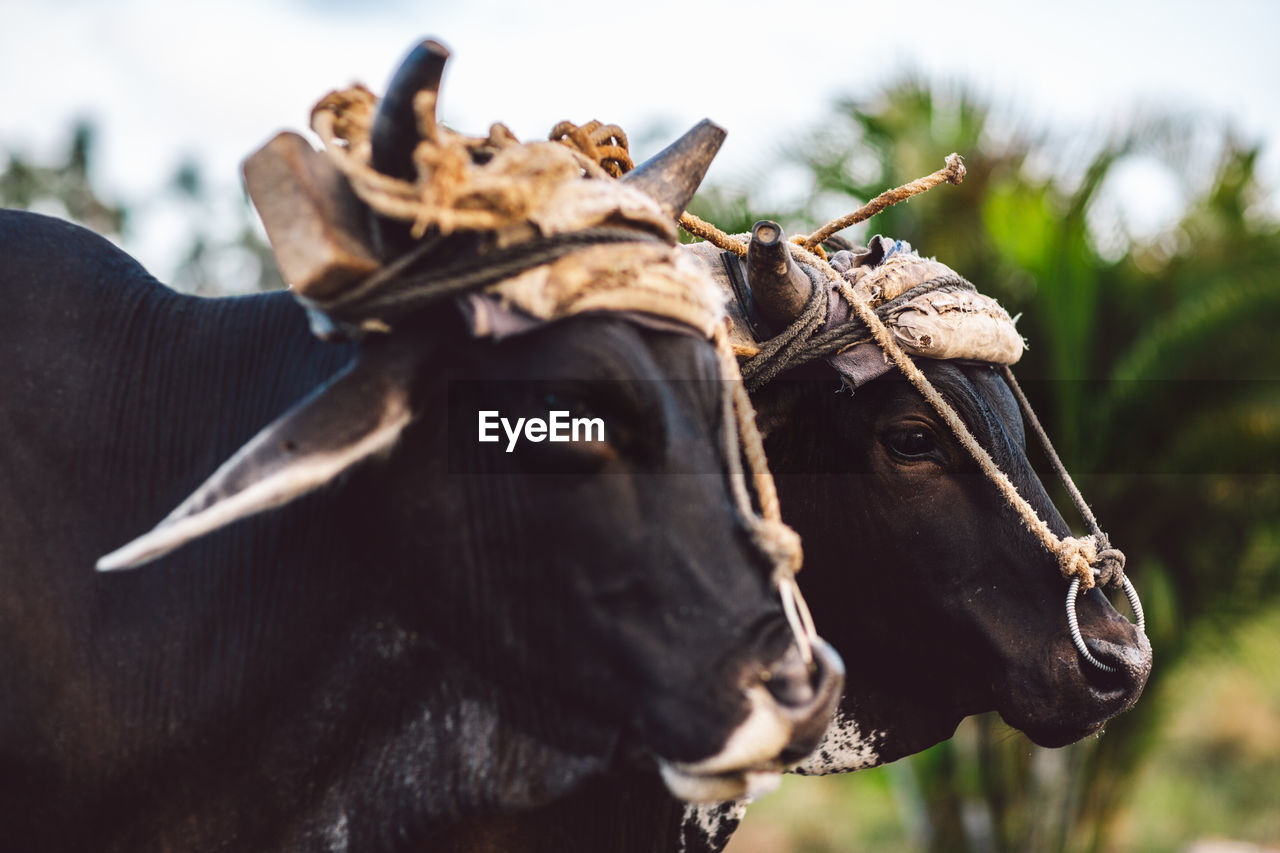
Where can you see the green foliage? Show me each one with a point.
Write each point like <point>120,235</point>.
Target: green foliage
<point>1160,384</point>
<point>63,186</point>
<point>222,253</point>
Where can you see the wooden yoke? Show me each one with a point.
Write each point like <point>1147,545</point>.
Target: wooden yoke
<point>318,228</point>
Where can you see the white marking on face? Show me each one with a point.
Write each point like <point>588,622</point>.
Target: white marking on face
<point>746,765</point>
<point>844,748</point>
<point>716,788</point>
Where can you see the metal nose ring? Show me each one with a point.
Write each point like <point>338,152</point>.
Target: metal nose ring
<point>1073,622</point>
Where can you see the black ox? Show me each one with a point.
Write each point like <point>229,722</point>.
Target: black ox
<point>397,648</point>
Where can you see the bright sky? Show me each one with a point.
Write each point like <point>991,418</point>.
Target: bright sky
<point>166,80</point>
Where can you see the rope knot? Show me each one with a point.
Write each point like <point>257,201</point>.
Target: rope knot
<point>781,545</point>
<point>1095,563</point>
<point>1110,567</point>
<point>1076,556</point>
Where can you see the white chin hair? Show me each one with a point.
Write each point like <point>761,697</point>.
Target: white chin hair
<point>746,766</point>
<point>718,787</point>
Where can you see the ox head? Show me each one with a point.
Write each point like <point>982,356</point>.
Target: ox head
<point>941,599</point>
<point>555,607</point>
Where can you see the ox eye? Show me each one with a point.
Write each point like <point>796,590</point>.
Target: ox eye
<point>912,444</point>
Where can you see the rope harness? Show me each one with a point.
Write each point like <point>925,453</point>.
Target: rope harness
<point>1086,561</point>
<point>550,222</point>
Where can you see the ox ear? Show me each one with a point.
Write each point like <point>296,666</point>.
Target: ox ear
<point>357,414</point>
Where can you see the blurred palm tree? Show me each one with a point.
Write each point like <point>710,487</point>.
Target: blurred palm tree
<point>1152,362</point>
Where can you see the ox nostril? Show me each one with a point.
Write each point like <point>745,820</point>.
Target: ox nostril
<point>789,680</point>
<point>1132,661</point>
<point>826,677</point>
<point>823,683</point>
<point>798,686</point>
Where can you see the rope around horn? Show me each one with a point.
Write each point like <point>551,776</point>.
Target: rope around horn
<point>452,190</point>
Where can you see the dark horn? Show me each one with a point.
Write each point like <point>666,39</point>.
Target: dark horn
<point>395,127</point>
<point>780,288</point>
<point>672,176</point>
<point>395,130</point>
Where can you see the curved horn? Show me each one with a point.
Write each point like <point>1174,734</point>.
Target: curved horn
<point>672,175</point>
<point>780,288</point>
<point>395,127</point>
<point>395,130</point>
